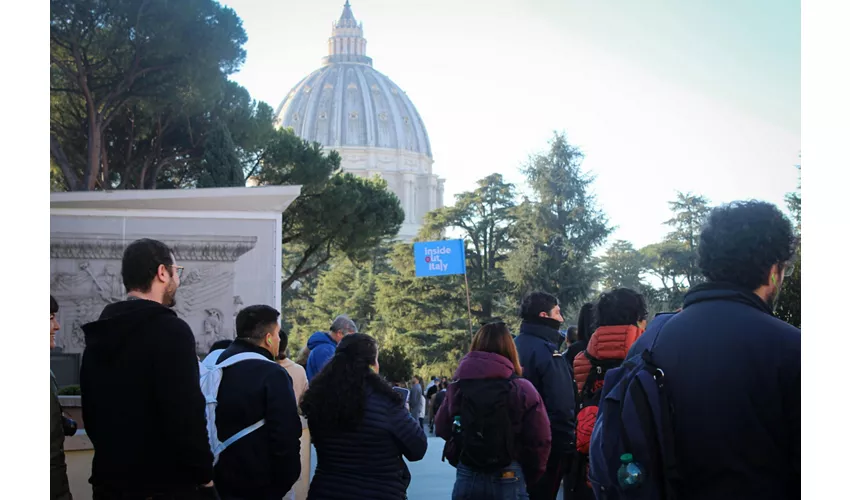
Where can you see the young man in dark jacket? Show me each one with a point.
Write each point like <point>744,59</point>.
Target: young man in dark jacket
<point>267,462</point>
<point>545,367</point>
<point>733,369</point>
<point>142,402</point>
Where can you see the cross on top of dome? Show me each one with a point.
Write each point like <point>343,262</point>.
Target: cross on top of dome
<point>347,15</point>
<point>346,44</point>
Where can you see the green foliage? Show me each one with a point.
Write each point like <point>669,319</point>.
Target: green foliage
<point>690,211</point>
<point>395,364</point>
<point>788,307</point>
<point>69,390</point>
<point>221,164</point>
<point>484,217</point>
<point>135,87</point>
<point>558,230</point>
<point>350,216</point>
<point>623,267</point>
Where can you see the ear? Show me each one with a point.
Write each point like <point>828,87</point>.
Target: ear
<point>162,273</point>
<point>774,274</point>
<point>269,339</point>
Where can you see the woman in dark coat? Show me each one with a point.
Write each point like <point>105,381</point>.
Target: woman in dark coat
<point>493,356</point>
<point>359,427</point>
<point>586,327</point>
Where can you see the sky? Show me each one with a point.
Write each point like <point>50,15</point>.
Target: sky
<point>662,96</point>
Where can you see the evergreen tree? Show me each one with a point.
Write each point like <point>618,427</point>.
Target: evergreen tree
<point>221,165</point>
<point>557,231</point>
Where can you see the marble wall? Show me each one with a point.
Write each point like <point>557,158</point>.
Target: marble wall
<point>229,263</point>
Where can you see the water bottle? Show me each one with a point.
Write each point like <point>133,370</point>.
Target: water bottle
<point>630,474</point>
<point>456,425</point>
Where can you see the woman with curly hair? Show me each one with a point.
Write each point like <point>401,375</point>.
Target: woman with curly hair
<point>359,427</point>
<point>495,424</point>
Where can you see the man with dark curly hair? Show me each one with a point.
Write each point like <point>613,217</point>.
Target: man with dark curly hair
<point>733,369</point>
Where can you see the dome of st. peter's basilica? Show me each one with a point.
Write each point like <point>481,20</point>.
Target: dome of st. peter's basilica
<point>348,106</point>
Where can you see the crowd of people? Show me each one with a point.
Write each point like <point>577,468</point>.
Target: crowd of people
<point>701,403</point>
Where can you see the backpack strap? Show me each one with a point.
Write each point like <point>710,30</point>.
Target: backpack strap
<point>236,437</point>
<point>242,356</point>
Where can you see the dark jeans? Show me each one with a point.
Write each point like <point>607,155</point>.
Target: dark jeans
<point>509,484</point>
<point>547,487</point>
<point>422,423</point>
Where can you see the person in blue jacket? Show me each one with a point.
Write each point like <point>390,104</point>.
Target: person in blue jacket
<point>732,367</point>
<point>547,369</point>
<point>323,345</point>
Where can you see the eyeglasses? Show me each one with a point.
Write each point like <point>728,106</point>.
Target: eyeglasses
<point>179,270</point>
<point>789,268</point>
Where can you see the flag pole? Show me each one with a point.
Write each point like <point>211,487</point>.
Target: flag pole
<point>468,301</point>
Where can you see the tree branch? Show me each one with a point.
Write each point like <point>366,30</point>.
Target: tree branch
<point>59,157</point>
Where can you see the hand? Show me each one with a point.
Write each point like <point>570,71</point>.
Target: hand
<point>208,492</point>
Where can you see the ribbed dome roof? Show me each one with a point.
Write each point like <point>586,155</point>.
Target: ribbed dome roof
<point>347,103</point>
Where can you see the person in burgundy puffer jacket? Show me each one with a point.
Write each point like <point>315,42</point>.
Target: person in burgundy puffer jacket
<point>493,355</point>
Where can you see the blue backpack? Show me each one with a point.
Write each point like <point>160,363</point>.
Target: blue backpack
<point>635,418</point>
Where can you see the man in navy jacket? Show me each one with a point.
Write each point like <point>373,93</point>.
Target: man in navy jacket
<point>733,369</point>
<point>266,463</point>
<point>545,367</point>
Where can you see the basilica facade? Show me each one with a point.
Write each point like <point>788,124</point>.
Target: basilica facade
<point>348,106</point>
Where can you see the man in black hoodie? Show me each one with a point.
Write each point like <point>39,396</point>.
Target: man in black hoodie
<point>265,463</point>
<point>547,369</point>
<point>142,402</point>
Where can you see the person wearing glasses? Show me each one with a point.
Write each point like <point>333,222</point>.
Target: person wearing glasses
<point>142,402</point>
<point>734,367</point>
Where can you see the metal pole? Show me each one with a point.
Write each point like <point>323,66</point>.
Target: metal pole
<point>468,303</point>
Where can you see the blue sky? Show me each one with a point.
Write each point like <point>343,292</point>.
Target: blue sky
<point>661,95</point>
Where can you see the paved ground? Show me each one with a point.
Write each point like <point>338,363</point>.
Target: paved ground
<point>431,478</point>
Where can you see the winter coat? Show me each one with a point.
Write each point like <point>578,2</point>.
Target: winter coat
<point>322,348</point>
<point>533,438</point>
<point>367,462</point>
<point>267,462</point>
<point>733,371</point>
<point>547,369</point>
<point>59,487</point>
<point>142,402</point>
<point>607,343</point>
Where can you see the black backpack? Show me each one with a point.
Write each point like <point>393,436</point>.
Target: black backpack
<point>484,437</point>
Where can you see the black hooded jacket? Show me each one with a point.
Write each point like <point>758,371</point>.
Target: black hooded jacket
<point>142,402</point>
<point>547,369</point>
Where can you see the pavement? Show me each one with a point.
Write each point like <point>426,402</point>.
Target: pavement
<point>431,479</point>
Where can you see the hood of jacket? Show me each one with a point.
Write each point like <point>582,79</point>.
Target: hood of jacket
<point>482,365</point>
<point>725,291</point>
<point>319,338</point>
<point>613,342</point>
<point>114,330</point>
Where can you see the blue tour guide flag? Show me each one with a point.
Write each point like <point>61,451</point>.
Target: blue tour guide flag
<point>439,258</point>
